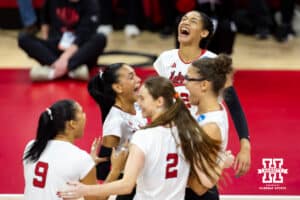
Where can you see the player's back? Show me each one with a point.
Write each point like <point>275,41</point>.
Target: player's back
<point>59,163</point>
<point>165,171</point>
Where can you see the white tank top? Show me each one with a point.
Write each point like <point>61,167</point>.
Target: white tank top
<point>221,119</point>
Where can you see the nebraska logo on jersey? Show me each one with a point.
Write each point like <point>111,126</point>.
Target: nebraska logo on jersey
<point>173,66</point>
<point>176,79</point>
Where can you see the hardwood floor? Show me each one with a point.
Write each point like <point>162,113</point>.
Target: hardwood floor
<point>249,53</point>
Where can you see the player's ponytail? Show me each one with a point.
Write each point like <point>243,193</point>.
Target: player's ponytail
<point>51,122</point>
<point>198,148</point>
<point>100,88</point>
<point>207,25</point>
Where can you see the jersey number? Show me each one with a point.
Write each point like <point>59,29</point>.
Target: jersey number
<point>172,162</point>
<point>40,173</point>
<point>185,99</point>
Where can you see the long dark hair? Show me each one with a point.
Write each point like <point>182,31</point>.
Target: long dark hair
<point>207,25</point>
<point>100,88</point>
<point>51,122</point>
<point>214,70</point>
<point>197,146</point>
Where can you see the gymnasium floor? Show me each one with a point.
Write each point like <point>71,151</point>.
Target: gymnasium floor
<point>266,80</point>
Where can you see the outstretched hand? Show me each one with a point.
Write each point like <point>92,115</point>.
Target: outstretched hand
<point>118,157</point>
<point>228,159</point>
<point>94,151</point>
<point>75,190</point>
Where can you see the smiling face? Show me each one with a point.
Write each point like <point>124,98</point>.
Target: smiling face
<point>128,83</point>
<point>194,87</point>
<point>151,108</point>
<point>190,28</point>
<point>80,120</point>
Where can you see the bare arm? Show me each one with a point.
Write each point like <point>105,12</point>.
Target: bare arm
<point>133,167</point>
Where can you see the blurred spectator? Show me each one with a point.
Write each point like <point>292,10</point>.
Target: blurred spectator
<point>69,43</point>
<point>260,19</point>
<point>131,8</point>
<point>28,16</point>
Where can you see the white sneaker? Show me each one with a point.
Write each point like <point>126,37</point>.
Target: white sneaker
<point>131,30</point>
<point>41,73</point>
<point>105,29</point>
<point>80,73</point>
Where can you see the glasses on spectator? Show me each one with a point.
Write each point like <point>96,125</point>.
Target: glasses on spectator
<point>187,78</point>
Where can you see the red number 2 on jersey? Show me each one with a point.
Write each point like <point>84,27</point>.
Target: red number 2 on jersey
<point>185,99</point>
<point>172,162</point>
<point>40,172</point>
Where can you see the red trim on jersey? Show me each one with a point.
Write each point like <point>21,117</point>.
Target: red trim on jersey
<point>177,84</point>
<point>201,53</point>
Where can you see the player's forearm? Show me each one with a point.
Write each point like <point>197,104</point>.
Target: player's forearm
<point>114,188</point>
<point>236,111</point>
<point>112,176</point>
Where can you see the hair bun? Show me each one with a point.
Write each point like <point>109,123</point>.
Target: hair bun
<point>223,64</point>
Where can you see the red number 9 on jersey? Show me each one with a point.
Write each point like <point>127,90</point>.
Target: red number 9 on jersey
<point>40,171</point>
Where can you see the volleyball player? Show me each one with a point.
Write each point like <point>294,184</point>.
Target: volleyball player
<point>205,80</point>
<point>194,33</point>
<point>52,159</point>
<point>115,90</point>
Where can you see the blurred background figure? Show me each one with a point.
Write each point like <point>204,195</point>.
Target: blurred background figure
<point>69,44</point>
<point>28,16</point>
<point>108,15</point>
<point>265,17</point>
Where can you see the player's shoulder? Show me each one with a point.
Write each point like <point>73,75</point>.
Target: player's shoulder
<point>209,54</point>
<point>169,53</point>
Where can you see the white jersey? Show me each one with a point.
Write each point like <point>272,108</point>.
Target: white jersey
<point>59,163</point>
<point>165,172</point>
<point>171,66</point>
<point>123,124</point>
<point>221,119</point>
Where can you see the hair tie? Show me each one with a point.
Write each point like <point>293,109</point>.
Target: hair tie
<point>175,97</point>
<point>49,113</point>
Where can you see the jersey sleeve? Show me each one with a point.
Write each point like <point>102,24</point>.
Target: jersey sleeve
<point>159,65</point>
<point>112,126</point>
<point>141,140</point>
<point>85,164</point>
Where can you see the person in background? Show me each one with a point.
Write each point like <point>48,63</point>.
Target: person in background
<point>107,15</point>
<point>28,16</point>
<point>69,43</point>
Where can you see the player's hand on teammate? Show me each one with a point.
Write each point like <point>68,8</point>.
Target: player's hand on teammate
<point>74,191</point>
<point>243,159</point>
<point>118,157</point>
<point>228,159</point>
<point>94,151</point>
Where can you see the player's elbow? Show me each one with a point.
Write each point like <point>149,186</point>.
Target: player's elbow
<point>128,187</point>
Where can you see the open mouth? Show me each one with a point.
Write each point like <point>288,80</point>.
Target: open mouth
<point>184,31</point>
